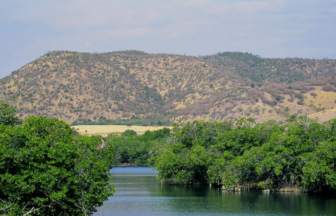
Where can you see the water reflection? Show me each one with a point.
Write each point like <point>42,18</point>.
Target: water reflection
<point>138,192</point>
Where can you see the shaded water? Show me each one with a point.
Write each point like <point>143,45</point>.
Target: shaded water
<point>138,192</point>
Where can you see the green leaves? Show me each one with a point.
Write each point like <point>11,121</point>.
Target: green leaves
<point>320,166</point>
<point>134,149</point>
<point>44,168</point>
<point>7,114</point>
<point>301,153</point>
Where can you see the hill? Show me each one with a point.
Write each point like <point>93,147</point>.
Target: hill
<point>155,89</point>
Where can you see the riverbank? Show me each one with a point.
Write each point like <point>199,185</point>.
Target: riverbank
<point>127,165</point>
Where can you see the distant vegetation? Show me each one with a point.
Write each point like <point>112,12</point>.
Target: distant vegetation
<point>132,121</point>
<point>266,70</point>
<point>133,149</point>
<point>133,87</point>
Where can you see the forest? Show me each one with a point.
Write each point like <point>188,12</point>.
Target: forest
<point>299,153</point>
<point>46,168</point>
<point>134,149</point>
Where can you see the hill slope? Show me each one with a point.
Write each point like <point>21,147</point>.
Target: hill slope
<point>133,86</point>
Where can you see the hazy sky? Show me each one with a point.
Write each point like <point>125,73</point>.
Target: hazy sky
<point>269,28</point>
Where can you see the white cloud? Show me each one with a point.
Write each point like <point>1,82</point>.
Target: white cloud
<point>273,28</point>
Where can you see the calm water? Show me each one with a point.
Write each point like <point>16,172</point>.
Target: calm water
<point>138,192</point>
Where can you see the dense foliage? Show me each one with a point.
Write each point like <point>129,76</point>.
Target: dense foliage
<point>7,113</point>
<point>46,170</point>
<point>134,149</point>
<point>300,153</point>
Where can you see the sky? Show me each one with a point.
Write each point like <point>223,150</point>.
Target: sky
<point>269,28</point>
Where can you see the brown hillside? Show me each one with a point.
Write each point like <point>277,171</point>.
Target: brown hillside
<point>136,87</point>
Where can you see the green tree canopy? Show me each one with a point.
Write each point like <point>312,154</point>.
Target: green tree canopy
<point>46,171</point>
<point>301,153</point>
<point>7,114</point>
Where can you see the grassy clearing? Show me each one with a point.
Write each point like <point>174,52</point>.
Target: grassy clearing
<point>104,130</point>
<point>324,115</point>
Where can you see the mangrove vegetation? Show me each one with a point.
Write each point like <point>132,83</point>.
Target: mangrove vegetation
<point>47,169</point>
<point>297,154</point>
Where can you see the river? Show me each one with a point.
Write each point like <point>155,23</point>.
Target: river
<point>138,193</point>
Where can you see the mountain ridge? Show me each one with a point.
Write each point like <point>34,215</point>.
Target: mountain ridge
<point>150,89</point>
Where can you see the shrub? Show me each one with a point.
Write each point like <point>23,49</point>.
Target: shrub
<point>313,94</point>
<point>328,88</point>
<point>7,114</point>
<point>299,96</point>
<point>300,102</point>
<point>128,133</point>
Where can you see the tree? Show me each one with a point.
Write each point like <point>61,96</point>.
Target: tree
<point>7,114</point>
<point>129,132</point>
<point>46,171</point>
<point>300,153</point>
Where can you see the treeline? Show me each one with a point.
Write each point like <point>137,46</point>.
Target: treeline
<point>134,120</point>
<point>300,153</point>
<point>135,149</point>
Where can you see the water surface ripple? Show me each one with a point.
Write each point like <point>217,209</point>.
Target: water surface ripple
<point>138,192</point>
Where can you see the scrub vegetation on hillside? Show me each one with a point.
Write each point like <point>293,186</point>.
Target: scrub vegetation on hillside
<point>138,88</point>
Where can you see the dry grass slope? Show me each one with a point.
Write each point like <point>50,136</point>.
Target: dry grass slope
<point>104,130</point>
<point>131,85</point>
